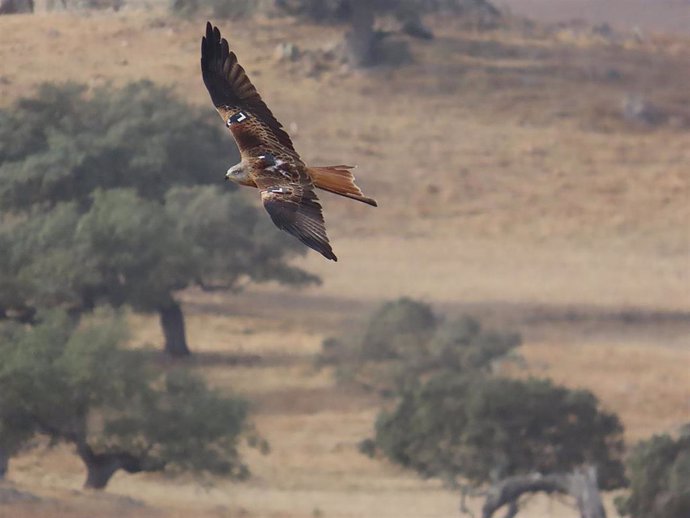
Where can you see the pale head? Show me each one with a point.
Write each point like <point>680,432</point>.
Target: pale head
<point>238,174</point>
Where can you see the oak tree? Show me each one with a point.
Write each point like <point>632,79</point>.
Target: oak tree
<point>116,196</point>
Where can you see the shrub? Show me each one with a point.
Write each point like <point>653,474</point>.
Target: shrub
<point>659,472</point>
<point>404,342</point>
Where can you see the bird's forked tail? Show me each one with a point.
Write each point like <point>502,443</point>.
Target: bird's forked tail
<point>339,180</point>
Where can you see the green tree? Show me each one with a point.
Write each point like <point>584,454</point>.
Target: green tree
<point>517,436</point>
<point>79,386</point>
<point>458,420</point>
<point>486,428</point>
<point>113,197</point>
<point>659,472</point>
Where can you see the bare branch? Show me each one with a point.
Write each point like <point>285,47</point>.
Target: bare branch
<point>581,484</point>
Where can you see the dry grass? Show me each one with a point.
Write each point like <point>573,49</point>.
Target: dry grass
<point>510,187</point>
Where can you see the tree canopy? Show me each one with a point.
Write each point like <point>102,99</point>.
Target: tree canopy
<point>490,428</point>
<point>64,142</point>
<point>78,385</point>
<point>114,196</point>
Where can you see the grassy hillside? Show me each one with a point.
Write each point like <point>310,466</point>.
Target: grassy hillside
<point>511,186</point>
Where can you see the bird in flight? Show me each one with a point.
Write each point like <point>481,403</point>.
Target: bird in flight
<point>269,161</point>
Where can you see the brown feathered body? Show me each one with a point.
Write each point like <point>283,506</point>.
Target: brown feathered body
<point>269,160</point>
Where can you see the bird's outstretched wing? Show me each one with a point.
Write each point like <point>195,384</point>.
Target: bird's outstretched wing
<point>236,99</point>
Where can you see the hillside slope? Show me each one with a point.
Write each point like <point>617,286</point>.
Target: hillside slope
<point>511,186</point>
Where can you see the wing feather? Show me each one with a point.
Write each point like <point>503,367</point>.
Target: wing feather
<point>296,210</point>
<point>230,87</point>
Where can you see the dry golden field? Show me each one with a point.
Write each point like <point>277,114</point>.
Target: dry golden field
<point>510,187</point>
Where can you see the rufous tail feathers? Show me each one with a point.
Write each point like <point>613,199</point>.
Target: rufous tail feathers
<point>338,180</point>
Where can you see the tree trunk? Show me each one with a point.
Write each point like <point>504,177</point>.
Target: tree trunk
<point>361,40</point>
<point>102,466</point>
<point>4,462</point>
<point>172,321</point>
<point>583,487</point>
<point>581,484</point>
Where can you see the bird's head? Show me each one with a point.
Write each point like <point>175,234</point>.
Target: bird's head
<point>237,174</point>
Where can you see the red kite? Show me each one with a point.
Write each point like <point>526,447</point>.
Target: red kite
<point>269,160</point>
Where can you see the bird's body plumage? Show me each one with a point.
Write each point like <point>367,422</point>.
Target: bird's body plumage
<point>269,160</point>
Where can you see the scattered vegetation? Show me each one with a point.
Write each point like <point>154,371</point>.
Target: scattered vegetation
<point>77,385</point>
<point>341,10</point>
<point>364,45</point>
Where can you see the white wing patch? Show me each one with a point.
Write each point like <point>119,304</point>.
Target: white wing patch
<point>237,118</point>
<point>277,167</point>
